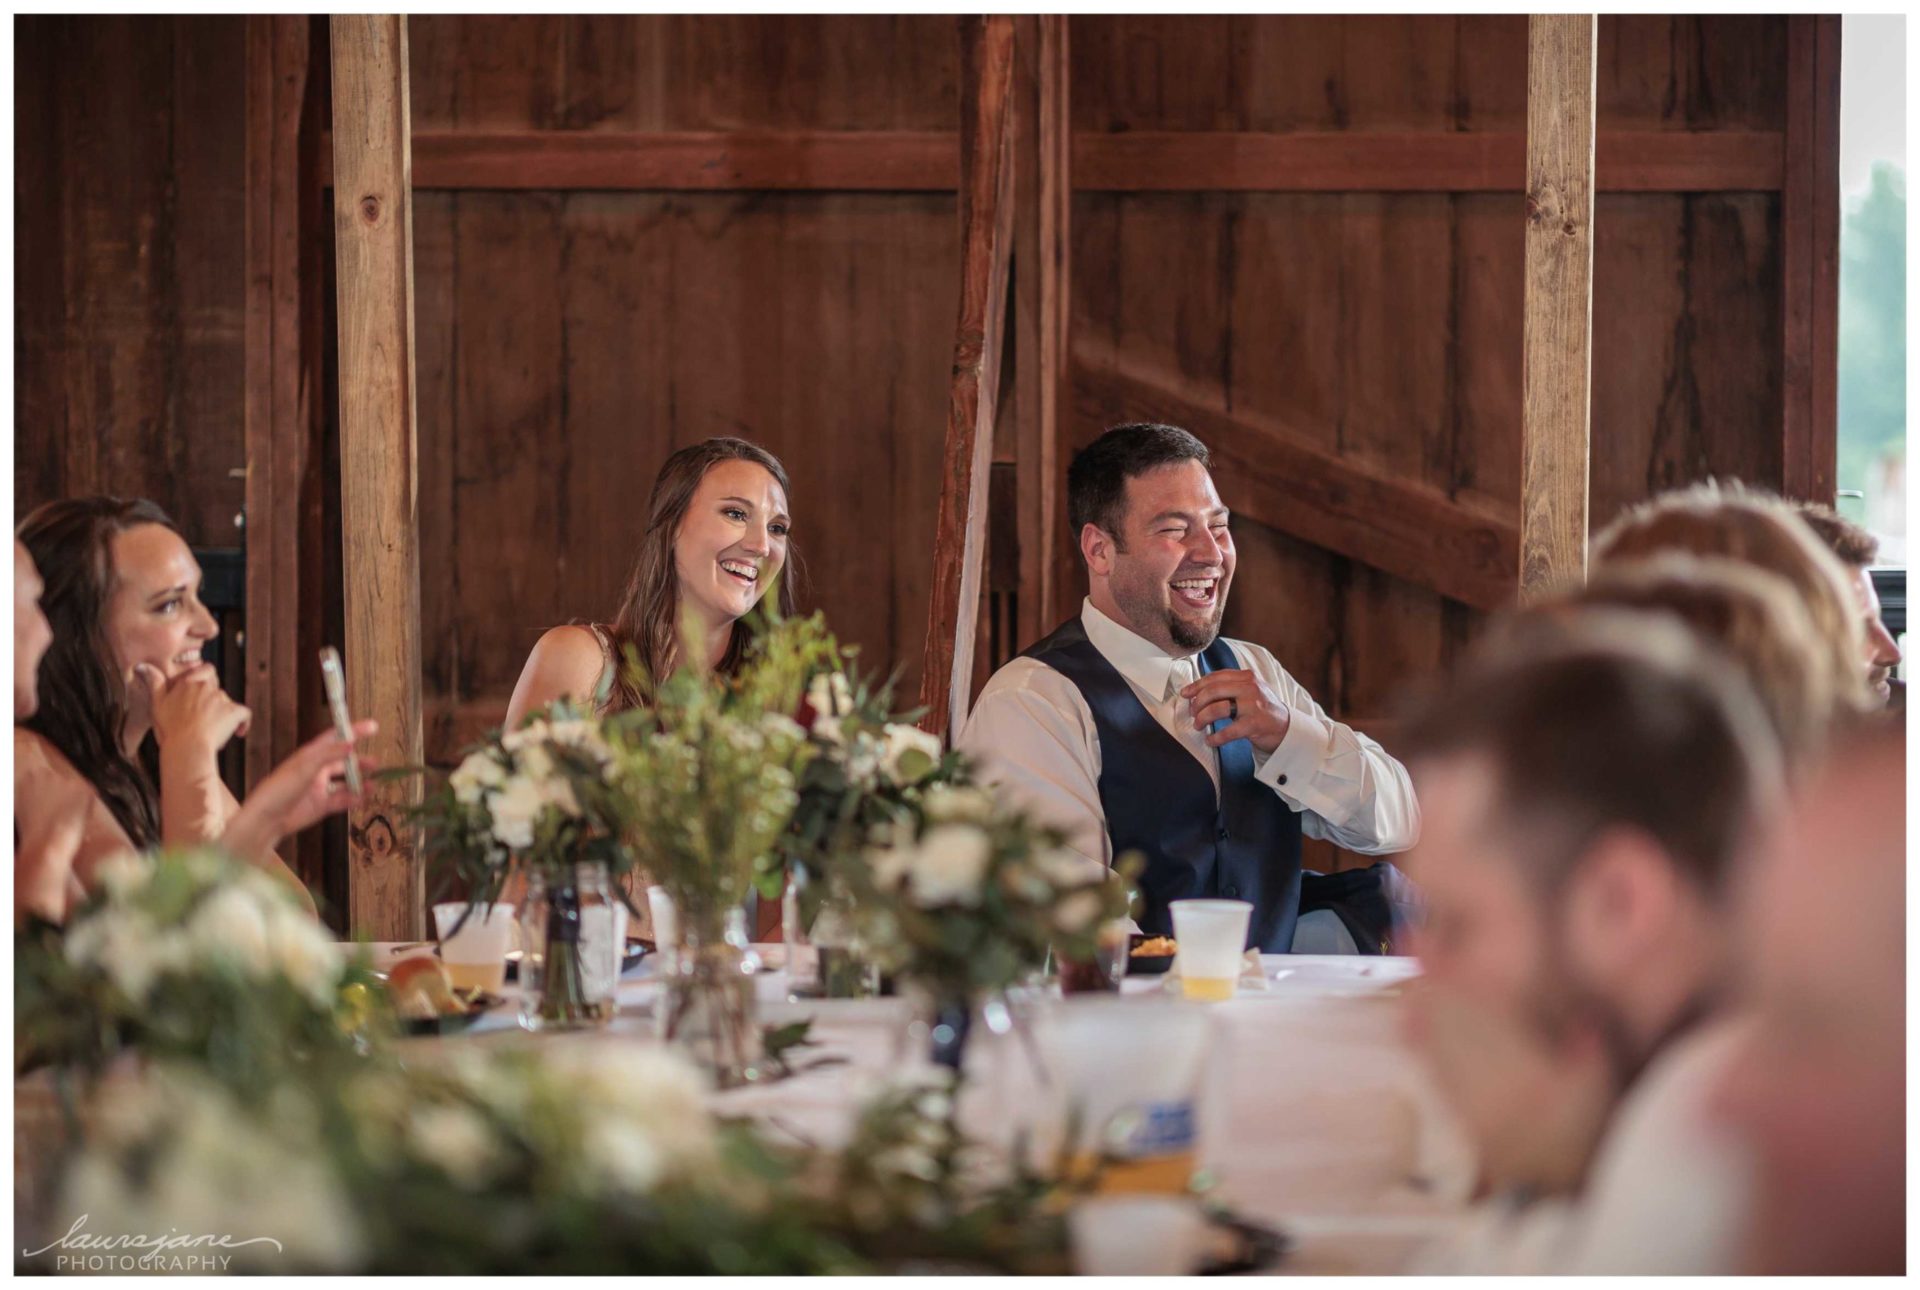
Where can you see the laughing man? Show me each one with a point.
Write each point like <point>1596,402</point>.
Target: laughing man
<point>1137,727</point>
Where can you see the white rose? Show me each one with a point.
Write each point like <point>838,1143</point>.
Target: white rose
<point>948,865</point>
<point>515,807</point>
<point>901,742</point>
<point>456,1141</point>
<point>128,947</point>
<point>305,953</point>
<point>229,927</point>
<point>1077,912</point>
<point>781,728</point>
<point>123,874</point>
<point>534,732</point>
<point>535,763</point>
<point>479,772</point>
<point>863,759</point>
<point>829,695</point>
<point>946,804</point>
<point>827,729</point>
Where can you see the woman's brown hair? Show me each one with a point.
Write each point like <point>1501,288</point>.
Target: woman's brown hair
<point>83,699</point>
<point>649,616</point>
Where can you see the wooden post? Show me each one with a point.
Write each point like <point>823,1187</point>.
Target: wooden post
<point>1559,301</point>
<point>986,236</point>
<point>1044,184</point>
<point>373,229</point>
<point>1810,260</point>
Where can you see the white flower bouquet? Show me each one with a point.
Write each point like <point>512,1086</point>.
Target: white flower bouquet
<point>191,955</point>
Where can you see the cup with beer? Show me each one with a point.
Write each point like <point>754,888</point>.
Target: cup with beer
<point>476,954</point>
<point>1211,935</point>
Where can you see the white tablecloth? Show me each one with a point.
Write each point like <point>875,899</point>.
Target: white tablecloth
<point>1312,1116</point>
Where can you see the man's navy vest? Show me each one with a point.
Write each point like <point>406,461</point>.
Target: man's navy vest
<point>1160,801</point>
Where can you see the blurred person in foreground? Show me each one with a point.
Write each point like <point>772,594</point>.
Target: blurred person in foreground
<point>1740,523</point>
<point>1857,549</point>
<point>1591,786</point>
<point>1743,610</point>
<point>1819,1087</point>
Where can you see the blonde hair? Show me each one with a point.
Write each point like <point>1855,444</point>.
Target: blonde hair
<point>1755,528</point>
<point>1751,615</point>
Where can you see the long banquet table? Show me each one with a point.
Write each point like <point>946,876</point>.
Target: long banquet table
<point>1313,1116</point>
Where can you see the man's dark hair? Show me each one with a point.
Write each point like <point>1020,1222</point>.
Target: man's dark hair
<point>1607,719</point>
<point>1097,479</point>
<point>1855,546</point>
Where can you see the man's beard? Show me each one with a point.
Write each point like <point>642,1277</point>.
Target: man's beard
<point>1188,635</point>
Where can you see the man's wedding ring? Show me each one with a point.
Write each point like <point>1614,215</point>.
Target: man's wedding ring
<point>1233,710</point>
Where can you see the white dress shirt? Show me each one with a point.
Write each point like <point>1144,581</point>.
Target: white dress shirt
<point>1034,739</point>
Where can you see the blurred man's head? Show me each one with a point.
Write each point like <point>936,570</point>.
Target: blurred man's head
<point>1821,1089</point>
<point>1857,549</point>
<point>1587,785</point>
<point>31,634</point>
<point>1750,614</point>
<point>1742,524</point>
<point>1154,534</point>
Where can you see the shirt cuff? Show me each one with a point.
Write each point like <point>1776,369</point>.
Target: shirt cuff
<point>1291,767</point>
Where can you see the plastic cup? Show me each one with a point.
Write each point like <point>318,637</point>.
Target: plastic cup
<point>1212,934</point>
<point>476,955</point>
<point>1139,1236</point>
<point>666,919</point>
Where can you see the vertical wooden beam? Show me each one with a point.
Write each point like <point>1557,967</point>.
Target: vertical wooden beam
<point>1044,184</point>
<point>986,236</point>
<point>373,231</point>
<point>1559,301</point>
<point>1810,260</point>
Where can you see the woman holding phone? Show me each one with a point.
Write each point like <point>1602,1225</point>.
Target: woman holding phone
<point>718,539</point>
<point>121,752</point>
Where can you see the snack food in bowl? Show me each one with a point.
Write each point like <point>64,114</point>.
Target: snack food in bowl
<point>1154,947</point>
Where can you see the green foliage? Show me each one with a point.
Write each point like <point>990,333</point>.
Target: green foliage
<point>1873,327</point>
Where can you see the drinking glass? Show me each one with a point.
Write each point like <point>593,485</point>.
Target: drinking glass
<point>475,956</point>
<point>1212,934</point>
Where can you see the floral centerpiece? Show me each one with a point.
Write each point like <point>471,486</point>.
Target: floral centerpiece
<point>706,790</point>
<point>965,897</point>
<point>186,955</point>
<point>542,802</point>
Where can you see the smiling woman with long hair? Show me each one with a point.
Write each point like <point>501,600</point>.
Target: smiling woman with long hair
<point>130,719</point>
<point>717,540</point>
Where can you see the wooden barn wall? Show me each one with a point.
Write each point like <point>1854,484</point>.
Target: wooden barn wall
<point>129,267</point>
<point>569,341</point>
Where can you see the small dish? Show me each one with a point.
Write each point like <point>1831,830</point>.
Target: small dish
<point>1146,964</point>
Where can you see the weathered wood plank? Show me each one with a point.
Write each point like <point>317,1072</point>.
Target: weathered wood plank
<point>1809,250</point>
<point>1149,161</point>
<point>986,236</point>
<point>1414,161</point>
<point>1041,284</point>
<point>379,508</point>
<point>1410,531</point>
<point>1557,367</point>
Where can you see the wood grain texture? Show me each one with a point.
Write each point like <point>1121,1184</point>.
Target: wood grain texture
<point>986,236</point>
<point>1554,447</point>
<point>1810,256</point>
<point>1414,161</point>
<point>379,506</point>
<point>1267,476</point>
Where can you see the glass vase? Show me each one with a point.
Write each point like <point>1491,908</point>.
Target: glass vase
<point>707,1006</point>
<point>573,929</point>
<point>823,953</point>
<point>943,1023</point>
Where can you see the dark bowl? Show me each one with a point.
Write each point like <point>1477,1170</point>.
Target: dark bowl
<point>1145,964</point>
<point>452,1023</point>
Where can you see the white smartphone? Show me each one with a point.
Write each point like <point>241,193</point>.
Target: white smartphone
<point>335,678</point>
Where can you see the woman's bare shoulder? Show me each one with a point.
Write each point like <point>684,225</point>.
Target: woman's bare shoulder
<point>34,755</point>
<point>566,661</point>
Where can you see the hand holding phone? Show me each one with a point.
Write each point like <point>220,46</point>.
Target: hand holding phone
<point>335,679</point>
